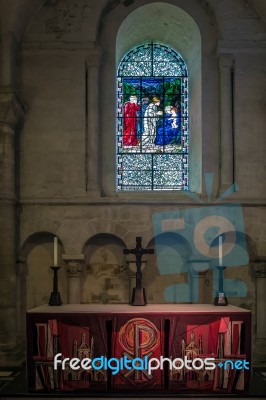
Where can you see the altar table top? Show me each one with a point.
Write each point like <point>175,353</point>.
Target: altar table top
<point>128,309</point>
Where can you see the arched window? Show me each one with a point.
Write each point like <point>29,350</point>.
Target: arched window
<point>152,120</point>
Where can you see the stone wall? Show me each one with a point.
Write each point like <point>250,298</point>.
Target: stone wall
<point>104,257</point>
<point>67,167</point>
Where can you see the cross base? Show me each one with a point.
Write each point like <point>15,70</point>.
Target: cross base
<point>138,297</point>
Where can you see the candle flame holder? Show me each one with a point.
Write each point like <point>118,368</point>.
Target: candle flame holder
<point>55,297</point>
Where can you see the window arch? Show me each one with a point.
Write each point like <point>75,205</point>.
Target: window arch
<point>152,120</point>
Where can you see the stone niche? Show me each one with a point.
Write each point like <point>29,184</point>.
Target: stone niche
<point>106,275</point>
<point>37,252</point>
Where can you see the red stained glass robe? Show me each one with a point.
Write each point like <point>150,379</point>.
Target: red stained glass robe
<point>130,124</point>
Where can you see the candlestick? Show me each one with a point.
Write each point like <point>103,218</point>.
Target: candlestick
<point>220,250</point>
<point>220,298</point>
<point>55,251</point>
<point>55,297</point>
<point>220,279</point>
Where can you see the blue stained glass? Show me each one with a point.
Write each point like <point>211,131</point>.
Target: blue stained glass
<point>139,68</point>
<point>164,55</point>
<point>136,161</point>
<point>152,120</point>
<point>166,68</point>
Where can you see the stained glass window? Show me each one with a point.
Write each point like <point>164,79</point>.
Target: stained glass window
<point>152,120</point>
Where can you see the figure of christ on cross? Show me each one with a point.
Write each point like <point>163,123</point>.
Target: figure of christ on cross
<point>138,295</point>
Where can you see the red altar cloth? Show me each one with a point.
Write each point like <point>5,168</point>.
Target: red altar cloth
<point>168,330</point>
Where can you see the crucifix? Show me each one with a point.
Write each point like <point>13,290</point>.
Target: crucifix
<point>138,295</point>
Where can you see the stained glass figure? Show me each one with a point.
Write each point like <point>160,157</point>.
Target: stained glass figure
<point>152,120</point>
<point>130,122</point>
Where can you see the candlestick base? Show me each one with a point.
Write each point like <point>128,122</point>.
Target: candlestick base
<point>220,300</point>
<point>55,299</point>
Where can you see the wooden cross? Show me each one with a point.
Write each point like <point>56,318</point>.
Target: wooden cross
<point>138,295</point>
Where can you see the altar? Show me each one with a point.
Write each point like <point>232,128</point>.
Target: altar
<point>214,341</point>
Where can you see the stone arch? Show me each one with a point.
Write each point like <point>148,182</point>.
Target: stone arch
<point>17,17</point>
<point>107,227</point>
<point>146,237</point>
<point>36,237</point>
<point>106,277</point>
<point>48,226</point>
<point>167,266</point>
<point>197,26</point>
<point>36,276</point>
<point>111,227</point>
<point>63,229</point>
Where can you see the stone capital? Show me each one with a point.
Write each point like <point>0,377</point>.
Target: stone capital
<point>198,266</point>
<point>12,108</point>
<point>74,263</point>
<point>226,61</point>
<point>259,269</point>
<point>20,264</point>
<point>93,58</point>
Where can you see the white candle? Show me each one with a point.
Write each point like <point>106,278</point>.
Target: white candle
<point>220,250</point>
<point>55,250</point>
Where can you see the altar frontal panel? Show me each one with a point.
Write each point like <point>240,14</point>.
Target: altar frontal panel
<point>138,339</point>
<point>199,338</point>
<point>82,337</point>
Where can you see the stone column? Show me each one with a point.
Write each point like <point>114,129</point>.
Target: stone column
<point>198,270</point>
<point>74,265</point>
<point>226,115</point>
<point>11,111</point>
<point>259,269</point>
<point>93,65</point>
<point>21,298</point>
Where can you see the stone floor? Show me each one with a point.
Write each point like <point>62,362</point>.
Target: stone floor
<point>51,397</point>
<point>13,385</point>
